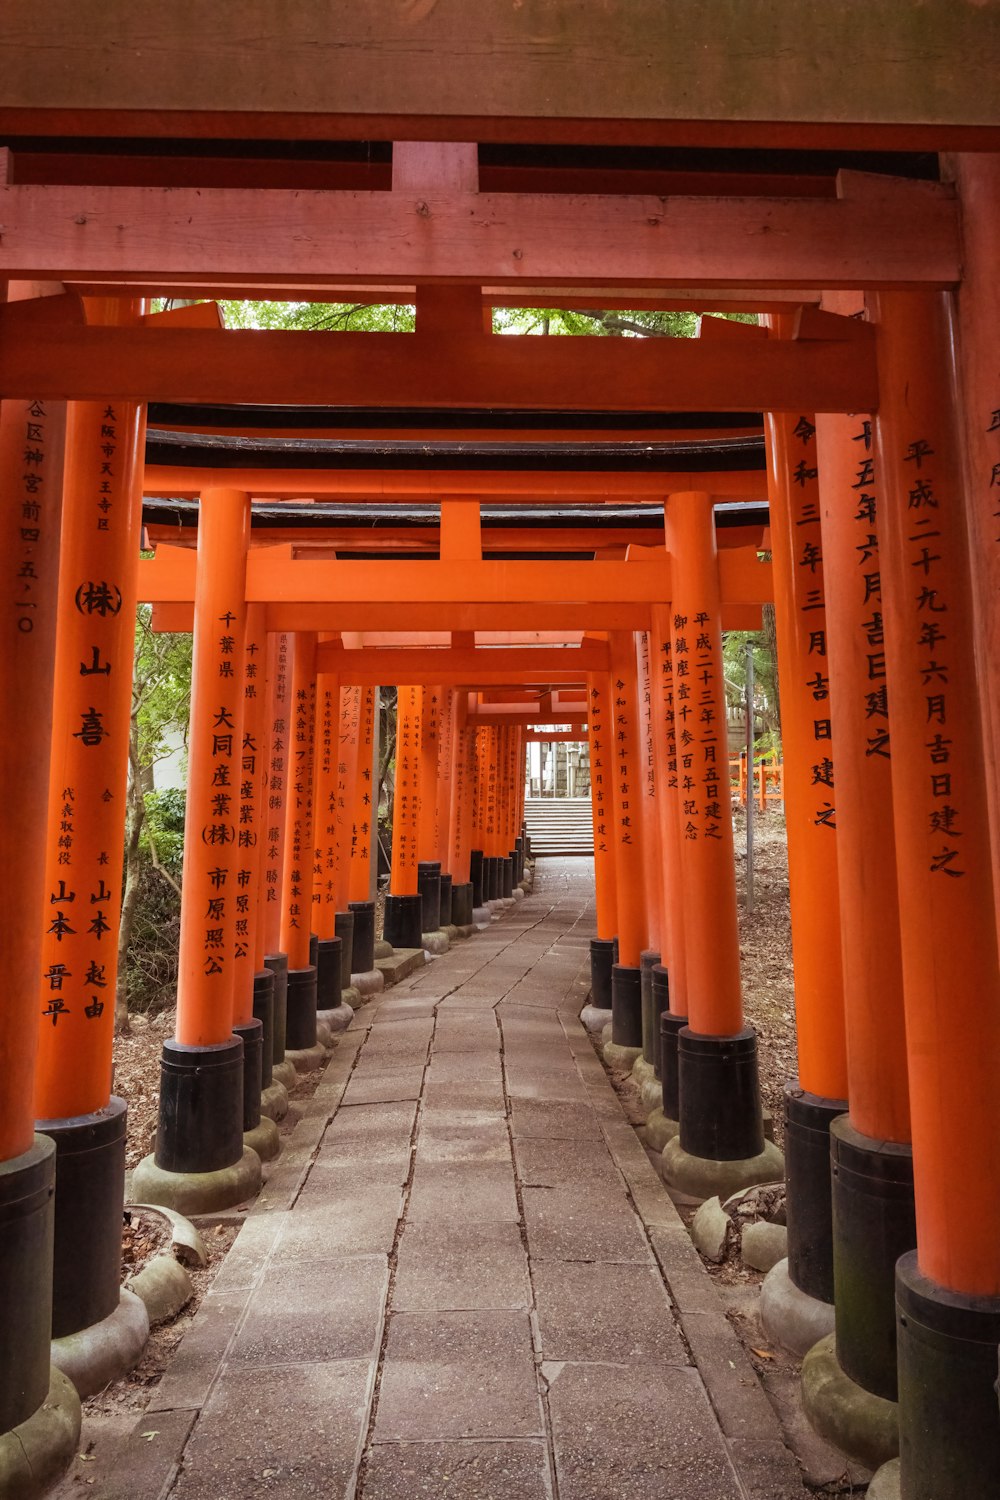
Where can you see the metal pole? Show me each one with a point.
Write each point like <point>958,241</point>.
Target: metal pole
<point>750,798</point>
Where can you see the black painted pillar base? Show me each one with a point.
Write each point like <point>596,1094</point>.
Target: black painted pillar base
<point>404,921</point>
<point>671,1026</point>
<point>27,1215</point>
<point>626,1006</point>
<point>949,1434</point>
<point>489,879</point>
<point>507,877</point>
<point>263,1010</point>
<point>648,959</point>
<point>429,887</point>
<point>476,876</point>
<point>602,957</point>
<point>719,1087</point>
<point>343,927</point>
<point>659,1002</point>
<point>252,1037</point>
<point>200,1127</point>
<point>278,964</point>
<point>313,948</point>
<point>461,904</point>
<point>518,859</point>
<point>873,1225</point>
<point>300,1029</point>
<point>90,1197</point>
<point>809,1204</point>
<point>329,974</point>
<point>446,890</point>
<point>363,954</point>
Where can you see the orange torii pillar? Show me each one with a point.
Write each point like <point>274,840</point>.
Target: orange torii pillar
<point>297,885</point>
<point>403,923</point>
<point>625,754</point>
<point>476,872</point>
<point>602,947</point>
<point>201,1162</point>
<point>515,789</point>
<point>95,640</point>
<point>948,1290</point>
<point>461,817</point>
<point>492,874</point>
<point>669,977</point>
<point>872,1177</point>
<point>721,1144</point>
<point>646,1069</point>
<point>429,866</point>
<point>347,774</point>
<point>277,749</point>
<point>29,550</point>
<point>329,968</point>
<point>253,986</point>
<point>819,1094</point>
<point>504,835</point>
<point>365,977</point>
<point>442,799</point>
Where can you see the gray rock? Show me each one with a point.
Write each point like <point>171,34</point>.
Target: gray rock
<point>710,1230</point>
<point>763,1245</point>
<point>790,1316</point>
<point>163,1286</point>
<point>887,1483</point>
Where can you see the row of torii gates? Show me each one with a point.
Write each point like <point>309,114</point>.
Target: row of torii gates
<point>881,534</point>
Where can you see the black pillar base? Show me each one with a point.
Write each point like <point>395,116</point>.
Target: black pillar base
<point>363,954</point>
<point>507,875</point>
<point>461,904</point>
<point>329,974</point>
<point>949,1435</point>
<point>518,859</point>
<point>626,1006</point>
<point>808,1118</point>
<point>671,1026</point>
<point>252,1037</point>
<point>200,1127</point>
<point>343,927</point>
<point>476,876</point>
<point>720,1111</point>
<point>446,890</point>
<point>263,1010</point>
<point>300,1031</point>
<point>602,957</point>
<point>313,948</point>
<point>873,1225</point>
<point>278,965</point>
<point>660,1002</point>
<point>647,961</point>
<point>429,886</point>
<point>489,879</point>
<point>403,921</point>
<point>27,1186</point>
<point>90,1197</point>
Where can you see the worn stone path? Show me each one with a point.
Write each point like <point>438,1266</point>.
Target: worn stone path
<point>464,1279</point>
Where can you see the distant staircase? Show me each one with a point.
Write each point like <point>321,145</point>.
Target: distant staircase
<point>559,825</point>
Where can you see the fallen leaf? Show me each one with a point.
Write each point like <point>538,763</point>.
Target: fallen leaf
<point>149,1436</point>
<point>761,1353</point>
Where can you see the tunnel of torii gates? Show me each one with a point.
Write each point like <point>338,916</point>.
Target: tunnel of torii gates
<point>518,533</point>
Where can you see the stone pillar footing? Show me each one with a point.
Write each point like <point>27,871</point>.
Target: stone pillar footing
<point>264,1139</point>
<point>659,1130</point>
<point>199,1192</point>
<point>369,982</point>
<point>274,1101</point>
<point>286,1074</point>
<point>692,1179</point>
<point>863,1426</point>
<point>791,1317</point>
<point>94,1356</point>
<point>36,1453</point>
<point>887,1483</point>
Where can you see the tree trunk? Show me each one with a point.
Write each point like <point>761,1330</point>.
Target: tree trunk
<point>133,876</point>
<point>770,633</point>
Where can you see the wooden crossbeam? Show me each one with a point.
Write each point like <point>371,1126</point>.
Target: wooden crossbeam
<point>385,369</point>
<point>477,667</point>
<point>171,235</point>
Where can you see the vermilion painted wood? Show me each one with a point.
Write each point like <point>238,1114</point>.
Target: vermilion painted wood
<point>250,836</point>
<point>279,665</point>
<point>297,882</point>
<point>668,805</point>
<point>325,776</point>
<point>626,771</point>
<point>497,238</point>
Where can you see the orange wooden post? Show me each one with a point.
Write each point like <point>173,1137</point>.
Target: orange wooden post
<point>29,549</point>
<point>297,885</point>
<point>346,758</point>
<point>719,1097</point>
<point>269,951</point>
<point>488,804</point>
<point>672,977</point>
<point>324,891</point>
<point>626,787</point>
<point>428,865</point>
<point>461,818</point>
<point>88,775</point>
<point>477,854</point>
<point>602,948</point>
<point>819,1094</point>
<point>403,907</point>
<point>200,1128</point>
<point>652,858</point>
<point>363,834</point>
<point>949,1439</point>
<point>873,1169</point>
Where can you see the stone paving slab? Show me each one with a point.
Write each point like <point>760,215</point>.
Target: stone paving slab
<point>458,1374</point>
<point>315,1312</point>
<point>483,1268</point>
<point>588,1223</point>
<point>458,1471</point>
<point>594,1311</point>
<point>456,1191</point>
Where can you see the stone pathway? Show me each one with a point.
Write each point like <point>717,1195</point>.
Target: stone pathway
<point>464,1279</point>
